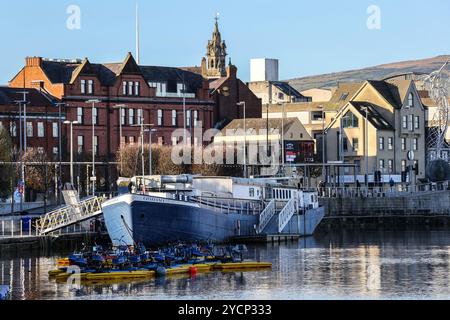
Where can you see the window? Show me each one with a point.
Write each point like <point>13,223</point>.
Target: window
<point>188,118</point>
<point>90,86</point>
<point>160,141</point>
<point>83,86</point>
<point>180,90</point>
<point>350,121</point>
<point>345,144</point>
<point>403,165</point>
<point>381,143</point>
<point>174,141</point>
<point>160,118</point>
<point>41,131</point>
<point>13,129</point>
<point>140,115</point>
<point>344,96</point>
<point>130,88</point>
<point>417,122</point>
<point>55,130</point>
<point>96,149</point>
<point>124,88</point>
<point>174,118</point>
<point>411,100</point>
<point>123,116</point>
<point>94,116</point>
<point>80,144</point>
<point>131,117</point>
<point>132,140</point>
<point>80,115</point>
<point>411,122</point>
<point>405,122</point>
<point>416,165</point>
<point>403,144</point>
<point>391,166</point>
<point>381,167</point>
<point>137,88</point>
<point>391,143</point>
<point>251,192</point>
<point>40,150</point>
<point>55,152</point>
<point>29,129</point>
<point>355,143</point>
<point>195,118</point>
<point>415,144</point>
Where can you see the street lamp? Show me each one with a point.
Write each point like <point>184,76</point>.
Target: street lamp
<point>150,156</point>
<point>94,176</point>
<point>283,106</point>
<point>71,123</point>
<point>242,103</point>
<point>121,107</point>
<point>59,105</point>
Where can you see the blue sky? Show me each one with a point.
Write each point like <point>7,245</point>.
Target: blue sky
<point>309,37</point>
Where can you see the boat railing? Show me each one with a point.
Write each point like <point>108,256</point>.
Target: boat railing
<point>228,206</point>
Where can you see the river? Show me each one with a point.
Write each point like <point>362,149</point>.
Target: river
<point>336,265</point>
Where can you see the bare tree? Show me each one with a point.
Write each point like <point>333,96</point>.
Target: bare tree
<point>6,172</point>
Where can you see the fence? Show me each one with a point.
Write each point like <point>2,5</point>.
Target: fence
<point>26,228</point>
<point>381,192</point>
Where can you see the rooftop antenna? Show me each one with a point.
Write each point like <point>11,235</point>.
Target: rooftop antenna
<point>137,35</point>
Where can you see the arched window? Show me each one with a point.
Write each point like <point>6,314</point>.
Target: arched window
<point>411,100</point>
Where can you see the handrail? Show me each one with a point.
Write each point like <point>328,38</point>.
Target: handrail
<point>67,216</point>
<point>286,214</point>
<point>266,216</point>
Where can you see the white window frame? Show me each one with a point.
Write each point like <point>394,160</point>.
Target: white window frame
<point>405,122</point>
<point>195,118</point>
<point>41,130</point>
<point>160,118</point>
<point>13,129</point>
<point>124,88</point>
<point>80,144</point>
<point>90,86</point>
<point>416,122</point>
<point>123,116</point>
<point>416,144</point>
<point>55,130</point>
<point>130,88</point>
<point>381,144</point>
<point>95,116</point>
<point>30,129</point>
<point>174,118</point>
<point>80,115</point>
<point>140,116</point>
<point>131,117</point>
<point>404,144</point>
<point>137,88</point>
<point>83,86</point>
<point>96,145</point>
<point>390,143</point>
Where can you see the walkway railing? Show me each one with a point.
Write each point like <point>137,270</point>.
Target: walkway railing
<point>16,228</point>
<point>380,192</point>
<point>68,216</point>
<point>266,216</point>
<point>286,214</point>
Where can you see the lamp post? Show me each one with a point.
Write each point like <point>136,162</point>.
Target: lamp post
<point>150,155</point>
<point>71,123</point>
<point>242,103</point>
<point>121,107</point>
<point>94,176</point>
<point>59,105</point>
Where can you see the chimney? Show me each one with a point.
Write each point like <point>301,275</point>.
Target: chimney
<point>231,71</point>
<point>33,61</point>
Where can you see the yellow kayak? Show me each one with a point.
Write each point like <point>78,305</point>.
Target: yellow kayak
<point>242,265</point>
<point>63,277</point>
<point>178,270</point>
<point>203,267</point>
<point>120,275</point>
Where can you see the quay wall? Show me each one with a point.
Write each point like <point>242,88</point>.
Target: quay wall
<point>419,209</point>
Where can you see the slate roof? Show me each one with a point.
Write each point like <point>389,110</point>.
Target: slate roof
<point>287,89</point>
<point>258,124</point>
<point>374,117</point>
<point>9,96</point>
<point>65,72</point>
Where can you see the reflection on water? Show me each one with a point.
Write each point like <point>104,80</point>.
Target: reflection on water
<point>363,265</point>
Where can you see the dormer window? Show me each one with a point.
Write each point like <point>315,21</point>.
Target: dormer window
<point>411,100</point>
<point>136,88</point>
<point>124,88</point>
<point>90,86</point>
<point>83,86</point>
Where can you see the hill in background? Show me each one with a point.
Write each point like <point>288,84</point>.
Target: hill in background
<point>380,72</point>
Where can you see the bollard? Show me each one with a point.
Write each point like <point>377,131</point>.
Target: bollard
<point>12,228</point>
<point>21,227</point>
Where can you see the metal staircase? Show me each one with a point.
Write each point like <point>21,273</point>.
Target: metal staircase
<point>266,216</point>
<point>286,214</point>
<point>70,215</point>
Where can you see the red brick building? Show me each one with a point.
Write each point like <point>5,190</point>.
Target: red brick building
<point>42,118</point>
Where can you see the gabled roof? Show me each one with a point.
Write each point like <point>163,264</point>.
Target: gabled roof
<point>387,91</point>
<point>66,72</point>
<point>261,124</point>
<point>345,91</point>
<point>36,98</point>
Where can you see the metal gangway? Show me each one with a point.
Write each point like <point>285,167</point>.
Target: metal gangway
<point>69,215</point>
